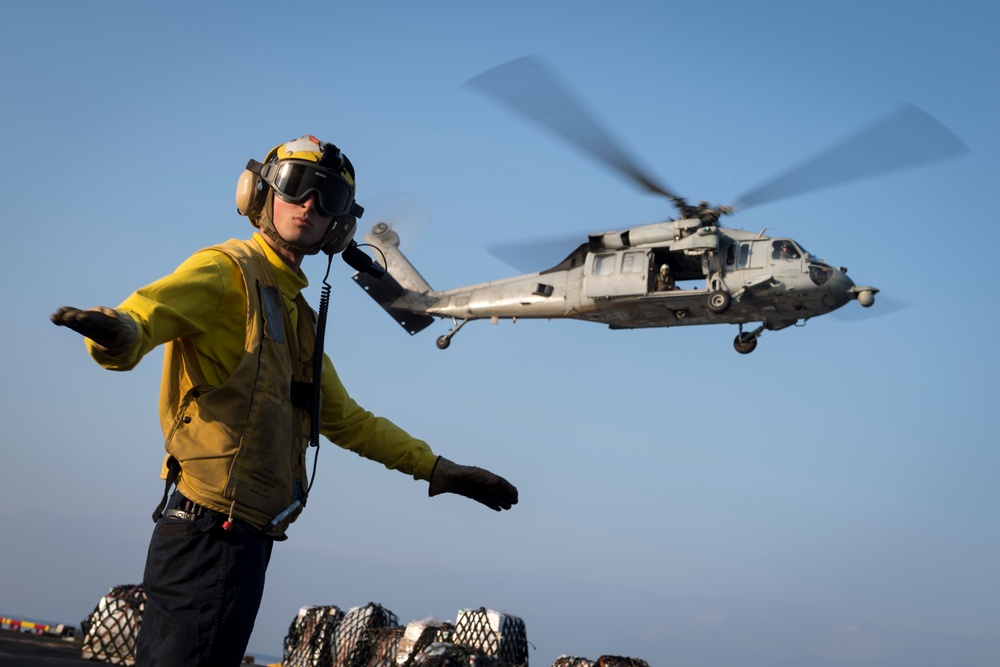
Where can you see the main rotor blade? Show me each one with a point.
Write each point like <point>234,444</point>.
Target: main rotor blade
<point>526,86</point>
<point>536,255</point>
<point>908,138</point>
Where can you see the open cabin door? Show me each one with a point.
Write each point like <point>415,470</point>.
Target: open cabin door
<point>617,273</point>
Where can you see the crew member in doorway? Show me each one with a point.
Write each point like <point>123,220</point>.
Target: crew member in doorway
<point>664,281</point>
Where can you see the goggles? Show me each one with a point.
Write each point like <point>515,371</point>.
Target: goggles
<point>297,181</point>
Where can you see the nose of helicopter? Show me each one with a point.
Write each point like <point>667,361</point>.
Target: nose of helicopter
<point>843,290</point>
<point>840,281</point>
<point>837,289</point>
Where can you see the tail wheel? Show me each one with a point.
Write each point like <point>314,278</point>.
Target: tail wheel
<point>719,301</point>
<point>745,343</point>
<point>443,342</point>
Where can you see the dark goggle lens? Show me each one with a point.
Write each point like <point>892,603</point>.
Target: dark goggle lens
<point>295,181</point>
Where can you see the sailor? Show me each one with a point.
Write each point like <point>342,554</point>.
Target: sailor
<point>240,402</point>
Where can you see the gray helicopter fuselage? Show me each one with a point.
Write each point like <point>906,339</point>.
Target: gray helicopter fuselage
<point>610,280</point>
<point>714,275</point>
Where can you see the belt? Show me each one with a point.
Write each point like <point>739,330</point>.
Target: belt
<point>187,510</point>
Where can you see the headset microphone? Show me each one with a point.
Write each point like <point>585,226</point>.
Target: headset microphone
<point>360,261</point>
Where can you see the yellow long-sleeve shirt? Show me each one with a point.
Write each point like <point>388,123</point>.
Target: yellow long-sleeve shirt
<point>204,300</point>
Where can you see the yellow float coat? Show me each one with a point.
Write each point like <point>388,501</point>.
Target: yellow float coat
<point>237,331</point>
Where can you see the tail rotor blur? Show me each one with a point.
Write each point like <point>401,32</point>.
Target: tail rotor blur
<point>408,214</point>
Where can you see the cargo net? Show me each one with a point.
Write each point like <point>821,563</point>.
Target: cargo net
<point>417,637</point>
<point>309,642</point>
<point>111,630</point>
<point>354,637</point>
<point>572,661</point>
<point>327,637</point>
<point>446,654</point>
<point>385,647</point>
<point>619,661</point>
<point>495,635</point>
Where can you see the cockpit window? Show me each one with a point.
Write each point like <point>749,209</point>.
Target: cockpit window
<point>784,249</point>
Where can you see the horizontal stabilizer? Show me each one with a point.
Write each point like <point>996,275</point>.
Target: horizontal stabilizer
<point>386,291</point>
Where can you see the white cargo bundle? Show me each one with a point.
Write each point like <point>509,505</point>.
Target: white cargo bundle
<point>493,633</point>
<point>572,661</point>
<point>416,637</point>
<point>113,626</point>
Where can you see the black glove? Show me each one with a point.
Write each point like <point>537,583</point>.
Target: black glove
<point>101,325</point>
<point>491,490</point>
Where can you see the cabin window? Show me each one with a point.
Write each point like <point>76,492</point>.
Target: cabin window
<point>744,254</point>
<point>634,262</point>
<point>730,255</point>
<point>604,265</point>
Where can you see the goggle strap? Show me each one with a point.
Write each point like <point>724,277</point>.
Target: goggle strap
<point>332,157</point>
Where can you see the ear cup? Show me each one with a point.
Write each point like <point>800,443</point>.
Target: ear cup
<point>340,235</point>
<point>249,194</point>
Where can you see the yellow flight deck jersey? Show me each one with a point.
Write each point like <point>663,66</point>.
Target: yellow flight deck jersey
<point>241,444</point>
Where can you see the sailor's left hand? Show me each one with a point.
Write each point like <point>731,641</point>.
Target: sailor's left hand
<point>476,483</point>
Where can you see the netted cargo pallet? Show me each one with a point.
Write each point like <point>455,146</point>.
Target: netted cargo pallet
<point>620,661</point>
<point>327,637</point>
<point>385,647</point>
<point>113,627</point>
<point>418,636</point>
<point>445,632</point>
<point>445,654</point>
<point>572,661</point>
<point>492,633</point>
<point>354,636</point>
<point>309,642</point>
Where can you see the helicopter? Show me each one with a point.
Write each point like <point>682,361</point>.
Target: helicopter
<point>740,277</point>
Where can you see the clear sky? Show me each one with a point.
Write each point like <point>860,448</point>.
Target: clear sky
<point>830,499</point>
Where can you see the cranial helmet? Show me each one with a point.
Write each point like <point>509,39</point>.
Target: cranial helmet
<point>296,170</point>
<point>664,267</point>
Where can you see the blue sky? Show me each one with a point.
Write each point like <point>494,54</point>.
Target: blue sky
<point>830,499</point>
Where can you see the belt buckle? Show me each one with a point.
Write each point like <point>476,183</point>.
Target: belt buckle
<point>187,511</point>
<point>180,514</point>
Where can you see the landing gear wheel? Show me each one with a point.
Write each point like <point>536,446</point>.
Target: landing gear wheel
<point>444,341</point>
<point>745,343</point>
<point>719,301</point>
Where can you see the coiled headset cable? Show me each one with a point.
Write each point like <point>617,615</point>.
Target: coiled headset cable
<point>360,261</point>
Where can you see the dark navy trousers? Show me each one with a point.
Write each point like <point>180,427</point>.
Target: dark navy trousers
<point>203,589</point>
